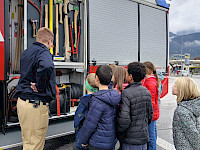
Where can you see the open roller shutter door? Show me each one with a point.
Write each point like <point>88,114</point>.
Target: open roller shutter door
<point>113,31</point>
<point>153,36</point>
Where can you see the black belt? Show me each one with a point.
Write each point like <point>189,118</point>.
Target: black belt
<point>38,102</point>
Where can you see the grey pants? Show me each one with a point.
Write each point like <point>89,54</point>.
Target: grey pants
<point>125,146</point>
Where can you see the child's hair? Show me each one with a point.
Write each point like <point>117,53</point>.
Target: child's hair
<point>152,69</point>
<point>44,35</point>
<point>119,77</point>
<point>113,67</point>
<point>91,80</point>
<point>90,83</point>
<point>187,89</point>
<point>104,73</point>
<point>137,70</point>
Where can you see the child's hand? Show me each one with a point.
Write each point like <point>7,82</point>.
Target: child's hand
<point>84,145</point>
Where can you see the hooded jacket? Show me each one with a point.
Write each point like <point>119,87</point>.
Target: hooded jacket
<point>98,129</point>
<point>186,125</point>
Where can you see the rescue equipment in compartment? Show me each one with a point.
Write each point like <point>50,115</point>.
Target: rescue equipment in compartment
<point>19,38</point>
<point>63,98</point>
<point>66,45</point>
<point>34,24</point>
<point>75,51</point>
<point>76,91</point>
<point>74,6</point>
<point>64,90</point>
<point>12,103</point>
<point>39,10</point>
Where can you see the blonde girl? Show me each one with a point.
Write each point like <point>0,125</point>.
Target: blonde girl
<point>186,120</point>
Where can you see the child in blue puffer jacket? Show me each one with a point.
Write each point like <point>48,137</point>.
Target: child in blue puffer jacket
<point>82,109</point>
<point>98,130</point>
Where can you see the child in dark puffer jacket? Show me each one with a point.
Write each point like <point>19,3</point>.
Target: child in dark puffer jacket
<point>82,109</point>
<point>135,110</point>
<point>98,131</point>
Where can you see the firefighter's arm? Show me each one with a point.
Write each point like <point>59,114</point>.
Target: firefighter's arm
<point>44,70</point>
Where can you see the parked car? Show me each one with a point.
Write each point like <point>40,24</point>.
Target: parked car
<point>184,73</point>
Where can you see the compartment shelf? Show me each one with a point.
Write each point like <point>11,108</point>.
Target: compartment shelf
<point>70,65</point>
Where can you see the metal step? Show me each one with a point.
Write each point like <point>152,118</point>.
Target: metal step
<point>57,128</point>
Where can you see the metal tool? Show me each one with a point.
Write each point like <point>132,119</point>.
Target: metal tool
<point>66,27</point>
<point>34,24</point>
<point>46,16</point>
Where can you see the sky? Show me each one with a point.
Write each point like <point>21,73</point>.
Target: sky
<point>184,15</point>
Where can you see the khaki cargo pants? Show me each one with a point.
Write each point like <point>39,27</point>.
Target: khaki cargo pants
<point>34,124</point>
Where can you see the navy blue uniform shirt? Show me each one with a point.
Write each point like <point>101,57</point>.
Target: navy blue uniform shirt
<point>36,65</point>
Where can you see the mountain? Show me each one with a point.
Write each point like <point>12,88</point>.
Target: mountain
<point>185,32</point>
<point>172,34</point>
<point>189,43</point>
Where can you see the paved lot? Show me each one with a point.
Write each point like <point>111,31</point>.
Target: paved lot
<point>164,124</point>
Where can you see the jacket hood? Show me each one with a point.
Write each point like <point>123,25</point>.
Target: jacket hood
<point>85,99</point>
<point>110,97</point>
<point>192,105</point>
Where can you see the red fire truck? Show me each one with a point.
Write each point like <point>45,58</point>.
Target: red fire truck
<point>88,33</point>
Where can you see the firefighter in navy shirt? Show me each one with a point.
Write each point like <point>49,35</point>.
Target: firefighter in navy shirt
<point>35,89</point>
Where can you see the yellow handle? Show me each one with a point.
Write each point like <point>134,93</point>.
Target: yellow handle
<point>57,32</point>
<point>51,19</point>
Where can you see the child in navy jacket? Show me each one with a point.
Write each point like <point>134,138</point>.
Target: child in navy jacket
<point>98,131</point>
